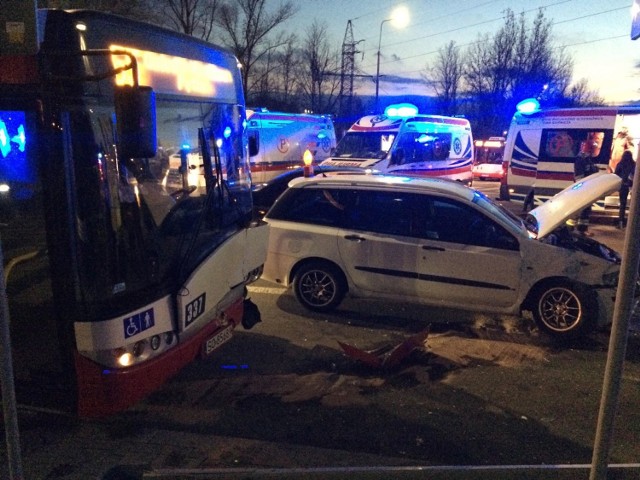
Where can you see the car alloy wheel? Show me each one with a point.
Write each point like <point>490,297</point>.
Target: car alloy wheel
<point>319,286</point>
<point>564,309</point>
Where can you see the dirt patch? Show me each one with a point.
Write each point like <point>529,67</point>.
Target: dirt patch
<point>467,352</point>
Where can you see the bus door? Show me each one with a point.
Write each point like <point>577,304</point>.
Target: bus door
<point>41,345</point>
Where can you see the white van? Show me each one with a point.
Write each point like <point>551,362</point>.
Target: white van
<point>279,141</point>
<point>542,147</point>
<point>408,144</point>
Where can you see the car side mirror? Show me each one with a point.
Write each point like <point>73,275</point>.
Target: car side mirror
<point>136,121</point>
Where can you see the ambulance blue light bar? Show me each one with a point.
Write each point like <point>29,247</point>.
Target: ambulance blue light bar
<point>528,106</point>
<point>401,110</point>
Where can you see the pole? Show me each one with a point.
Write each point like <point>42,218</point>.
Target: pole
<point>618,339</point>
<point>377,109</point>
<point>9,407</point>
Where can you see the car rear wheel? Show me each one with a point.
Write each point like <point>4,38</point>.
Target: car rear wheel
<point>564,309</point>
<point>319,286</point>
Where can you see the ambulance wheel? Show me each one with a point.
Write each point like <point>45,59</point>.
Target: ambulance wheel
<point>564,309</point>
<point>319,286</point>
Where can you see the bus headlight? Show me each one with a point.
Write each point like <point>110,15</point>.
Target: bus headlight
<point>135,353</point>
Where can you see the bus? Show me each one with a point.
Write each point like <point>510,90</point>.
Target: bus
<point>488,163</point>
<point>121,266</point>
<point>404,142</point>
<point>282,138</point>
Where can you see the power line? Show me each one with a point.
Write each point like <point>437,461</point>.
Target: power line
<point>487,21</point>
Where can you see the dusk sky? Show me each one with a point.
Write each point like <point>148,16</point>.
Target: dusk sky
<point>596,34</point>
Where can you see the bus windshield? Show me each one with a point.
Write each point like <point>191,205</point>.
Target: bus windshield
<point>141,220</point>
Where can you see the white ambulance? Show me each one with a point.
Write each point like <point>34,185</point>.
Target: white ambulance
<point>279,141</point>
<point>403,142</point>
<point>543,144</point>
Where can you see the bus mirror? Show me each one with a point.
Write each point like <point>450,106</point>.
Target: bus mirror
<point>253,146</point>
<point>136,121</point>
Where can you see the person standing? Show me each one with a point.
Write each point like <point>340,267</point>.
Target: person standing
<point>625,169</point>
<point>583,167</point>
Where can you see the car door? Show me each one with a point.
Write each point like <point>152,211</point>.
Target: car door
<point>436,250</point>
<point>466,257</point>
<point>378,253</point>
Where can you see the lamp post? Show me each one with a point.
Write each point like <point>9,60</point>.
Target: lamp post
<point>378,65</point>
<point>399,18</point>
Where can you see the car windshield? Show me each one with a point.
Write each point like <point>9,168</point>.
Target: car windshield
<point>365,145</point>
<point>498,210</point>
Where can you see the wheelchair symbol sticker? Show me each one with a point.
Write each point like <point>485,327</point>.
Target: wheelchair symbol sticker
<point>138,323</point>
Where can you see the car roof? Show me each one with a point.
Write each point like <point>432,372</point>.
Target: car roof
<point>388,182</point>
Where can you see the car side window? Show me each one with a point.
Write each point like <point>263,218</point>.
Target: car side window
<point>452,221</point>
<point>318,206</point>
<point>380,212</point>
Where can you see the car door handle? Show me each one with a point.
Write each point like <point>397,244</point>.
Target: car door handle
<point>355,238</point>
<point>437,249</point>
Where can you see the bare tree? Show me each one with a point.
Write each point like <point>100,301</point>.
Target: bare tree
<point>580,95</point>
<point>517,62</point>
<point>247,26</point>
<point>192,17</point>
<point>319,79</point>
<point>445,77</point>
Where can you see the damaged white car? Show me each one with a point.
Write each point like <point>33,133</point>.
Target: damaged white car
<point>437,242</point>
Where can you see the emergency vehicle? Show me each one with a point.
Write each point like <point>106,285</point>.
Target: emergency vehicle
<point>543,145</point>
<point>280,140</point>
<point>404,142</point>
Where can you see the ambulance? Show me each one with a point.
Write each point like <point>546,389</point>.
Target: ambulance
<point>543,144</point>
<point>403,142</point>
<point>278,141</point>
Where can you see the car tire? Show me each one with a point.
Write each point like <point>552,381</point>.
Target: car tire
<point>564,309</point>
<point>319,286</point>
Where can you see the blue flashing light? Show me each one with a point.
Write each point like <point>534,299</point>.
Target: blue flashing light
<point>227,132</point>
<point>577,186</point>
<point>401,110</point>
<point>322,135</point>
<point>5,146</point>
<point>528,106</point>
<point>20,138</point>
<point>185,146</point>
<point>235,367</point>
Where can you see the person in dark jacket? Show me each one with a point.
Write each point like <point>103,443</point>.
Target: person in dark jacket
<point>583,167</point>
<point>625,169</point>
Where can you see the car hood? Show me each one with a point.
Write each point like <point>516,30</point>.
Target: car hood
<point>566,204</point>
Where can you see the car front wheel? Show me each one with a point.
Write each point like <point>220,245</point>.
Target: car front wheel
<point>564,309</point>
<point>319,286</point>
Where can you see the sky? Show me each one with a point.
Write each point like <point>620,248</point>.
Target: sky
<point>595,33</point>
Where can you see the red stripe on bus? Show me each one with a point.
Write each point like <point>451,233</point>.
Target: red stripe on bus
<point>439,172</point>
<point>270,167</point>
<point>284,117</point>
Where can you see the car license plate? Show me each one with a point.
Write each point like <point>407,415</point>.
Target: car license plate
<point>217,340</point>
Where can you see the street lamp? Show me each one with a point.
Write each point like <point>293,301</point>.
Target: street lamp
<point>400,19</point>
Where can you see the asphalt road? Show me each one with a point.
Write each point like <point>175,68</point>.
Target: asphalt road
<point>484,390</point>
